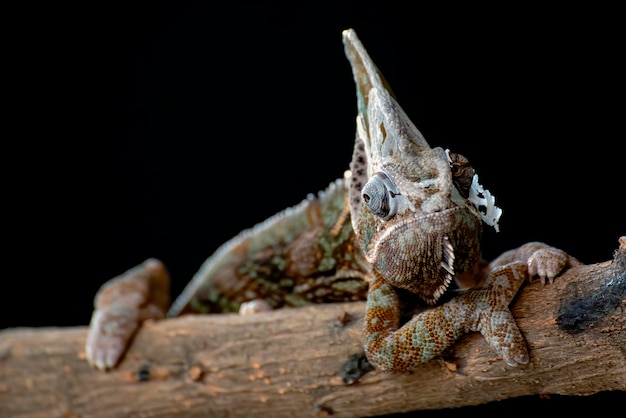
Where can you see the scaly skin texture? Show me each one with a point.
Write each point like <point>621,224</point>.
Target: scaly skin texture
<point>406,219</point>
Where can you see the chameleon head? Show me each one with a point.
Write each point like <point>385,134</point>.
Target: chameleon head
<point>414,209</point>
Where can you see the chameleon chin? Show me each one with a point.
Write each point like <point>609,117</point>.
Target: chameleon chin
<point>406,217</point>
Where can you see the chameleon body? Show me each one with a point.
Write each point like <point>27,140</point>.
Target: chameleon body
<point>401,228</point>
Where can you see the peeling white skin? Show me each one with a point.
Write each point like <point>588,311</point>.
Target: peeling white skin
<point>480,196</point>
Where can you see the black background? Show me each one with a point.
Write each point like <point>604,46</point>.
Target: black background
<point>162,129</point>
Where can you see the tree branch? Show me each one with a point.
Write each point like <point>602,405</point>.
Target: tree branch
<point>289,362</point>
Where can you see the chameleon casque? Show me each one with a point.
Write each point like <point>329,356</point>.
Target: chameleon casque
<point>401,228</point>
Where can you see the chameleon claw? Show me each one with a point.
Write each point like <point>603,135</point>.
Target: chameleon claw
<point>102,360</point>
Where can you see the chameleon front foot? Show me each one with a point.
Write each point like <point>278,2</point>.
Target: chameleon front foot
<point>121,305</point>
<point>431,332</point>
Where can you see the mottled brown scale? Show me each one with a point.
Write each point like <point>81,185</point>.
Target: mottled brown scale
<point>302,259</point>
<point>308,258</point>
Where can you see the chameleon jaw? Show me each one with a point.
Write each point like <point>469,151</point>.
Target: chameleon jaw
<point>423,254</point>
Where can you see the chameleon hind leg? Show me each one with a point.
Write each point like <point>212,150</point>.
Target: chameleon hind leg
<point>544,261</point>
<point>121,305</point>
<point>124,302</point>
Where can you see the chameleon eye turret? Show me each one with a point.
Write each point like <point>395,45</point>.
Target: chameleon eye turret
<point>379,196</point>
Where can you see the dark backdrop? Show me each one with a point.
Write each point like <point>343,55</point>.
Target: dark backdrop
<point>163,129</point>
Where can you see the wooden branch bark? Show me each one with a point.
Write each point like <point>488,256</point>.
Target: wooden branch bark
<point>289,362</point>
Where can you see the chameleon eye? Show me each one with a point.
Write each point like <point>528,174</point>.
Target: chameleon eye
<point>378,195</point>
<point>462,172</point>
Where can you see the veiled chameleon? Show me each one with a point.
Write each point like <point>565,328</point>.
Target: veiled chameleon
<point>404,222</point>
